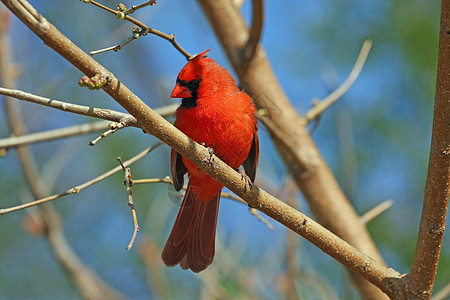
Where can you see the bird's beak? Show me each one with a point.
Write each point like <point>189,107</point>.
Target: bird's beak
<point>180,91</point>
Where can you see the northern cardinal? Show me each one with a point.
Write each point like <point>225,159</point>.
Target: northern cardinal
<point>217,114</point>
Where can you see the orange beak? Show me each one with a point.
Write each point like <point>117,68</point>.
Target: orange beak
<point>180,91</point>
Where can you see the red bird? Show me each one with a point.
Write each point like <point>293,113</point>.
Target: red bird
<point>217,114</point>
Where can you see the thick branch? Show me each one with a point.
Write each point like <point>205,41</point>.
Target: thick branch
<point>291,137</point>
<point>437,186</point>
<point>153,123</point>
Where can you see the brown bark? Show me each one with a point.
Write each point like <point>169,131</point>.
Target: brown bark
<point>291,137</point>
<point>437,186</point>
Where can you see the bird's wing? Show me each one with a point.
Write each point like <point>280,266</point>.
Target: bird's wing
<point>251,162</point>
<point>178,169</point>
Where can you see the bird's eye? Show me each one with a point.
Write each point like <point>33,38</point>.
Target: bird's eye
<point>193,84</point>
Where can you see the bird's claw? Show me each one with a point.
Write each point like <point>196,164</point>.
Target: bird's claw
<point>248,182</point>
<point>210,151</point>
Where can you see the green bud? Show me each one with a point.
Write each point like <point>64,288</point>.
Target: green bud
<point>135,29</point>
<point>120,15</point>
<point>121,7</point>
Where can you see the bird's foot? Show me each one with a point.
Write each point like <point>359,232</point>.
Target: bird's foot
<point>211,152</point>
<point>248,182</point>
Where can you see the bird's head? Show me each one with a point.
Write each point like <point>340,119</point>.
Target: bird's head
<point>201,77</point>
<point>189,79</point>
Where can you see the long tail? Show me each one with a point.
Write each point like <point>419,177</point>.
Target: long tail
<point>192,240</point>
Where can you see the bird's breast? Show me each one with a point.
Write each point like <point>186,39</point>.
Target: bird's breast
<point>228,131</point>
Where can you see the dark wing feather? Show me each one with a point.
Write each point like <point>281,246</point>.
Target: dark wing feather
<point>178,169</point>
<point>251,162</point>
<point>192,240</point>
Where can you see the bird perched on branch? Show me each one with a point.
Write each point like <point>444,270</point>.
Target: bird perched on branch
<point>215,113</point>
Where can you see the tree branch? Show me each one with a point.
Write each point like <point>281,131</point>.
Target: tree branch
<point>48,135</point>
<point>255,30</point>
<point>89,284</point>
<point>376,211</point>
<point>222,195</point>
<point>321,106</point>
<point>136,7</point>
<point>299,152</point>
<point>152,122</point>
<point>169,37</point>
<point>101,113</point>
<point>128,184</point>
<point>79,188</point>
<point>437,186</point>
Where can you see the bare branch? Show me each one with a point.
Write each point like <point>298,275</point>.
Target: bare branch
<point>118,47</point>
<point>106,114</point>
<point>101,113</point>
<point>255,31</point>
<point>136,7</point>
<point>376,211</point>
<point>79,188</point>
<point>113,127</point>
<point>437,186</point>
<point>321,106</point>
<point>43,136</point>
<point>128,183</point>
<point>168,37</point>
<point>228,195</point>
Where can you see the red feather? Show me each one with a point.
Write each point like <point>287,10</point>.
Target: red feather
<point>214,112</point>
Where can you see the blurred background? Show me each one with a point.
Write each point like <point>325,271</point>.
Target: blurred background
<point>376,139</point>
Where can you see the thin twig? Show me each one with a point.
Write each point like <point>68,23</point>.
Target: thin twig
<point>53,134</point>
<point>106,114</point>
<point>102,113</point>
<point>136,7</point>
<point>321,106</point>
<point>118,47</point>
<point>376,211</point>
<point>94,52</point>
<point>253,211</point>
<point>128,183</point>
<point>228,195</point>
<point>168,37</point>
<point>78,188</point>
<point>154,180</point>
<point>113,127</point>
